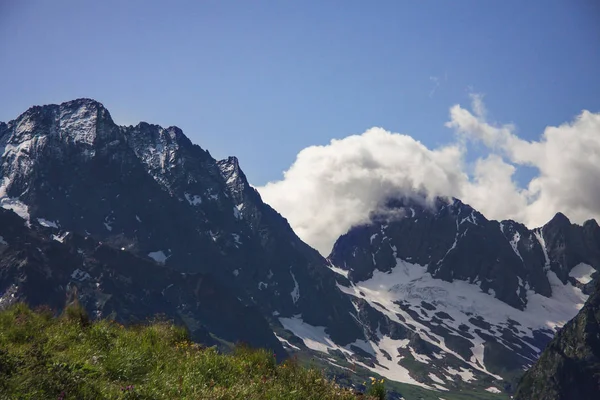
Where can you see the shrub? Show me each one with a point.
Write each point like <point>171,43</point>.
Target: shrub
<point>376,389</point>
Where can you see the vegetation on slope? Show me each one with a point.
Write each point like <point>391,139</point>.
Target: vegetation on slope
<point>70,357</point>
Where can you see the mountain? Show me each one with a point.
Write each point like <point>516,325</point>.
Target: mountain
<point>42,267</point>
<point>437,285</point>
<point>138,220</point>
<point>150,191</point>
<point>569,367</point>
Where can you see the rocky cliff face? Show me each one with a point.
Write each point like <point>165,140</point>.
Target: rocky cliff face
<point>41,266</point>
<point>151,191</point>
<point>442,282</point>
<point>504,258</point>
<point>569,368</point>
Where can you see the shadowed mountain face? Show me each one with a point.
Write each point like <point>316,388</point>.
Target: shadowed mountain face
<point>41,267</point>
<point>569,368</point>
<point>150,191</point>
<point>138,220</point>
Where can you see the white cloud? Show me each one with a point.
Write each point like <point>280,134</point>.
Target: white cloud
<point>330,188</point>
<point>567,158</point>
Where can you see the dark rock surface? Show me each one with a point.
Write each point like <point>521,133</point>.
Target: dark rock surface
<point>151,191</point>
<point>42,268</point>
<point>569,368</point>
<point>456,242</point>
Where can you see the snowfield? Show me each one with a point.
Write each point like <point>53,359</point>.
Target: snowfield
<point>410,284</point>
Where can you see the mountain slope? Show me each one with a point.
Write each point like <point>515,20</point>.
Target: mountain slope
<point>152,192</point>
<point>569,368</point>
<point>440,286</point>
<point>42,267</point>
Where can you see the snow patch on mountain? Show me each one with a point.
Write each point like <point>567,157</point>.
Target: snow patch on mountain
<point>540,238</point>
<point>514,244</point>
<point>237,210</point>
<point>158,256</point>
<point>286,343</point>
<point>15,205</point>
<point>463,373</point>
<point>60,238</point>
<point>296,291</point>
<point>315,338</point>
<point>410,284</point>
<point>80,275</point>
<point>493,389</point>
<point>390,368</point>
<point>582,273</point>
<point>47,223</point>
<point>422,358</point>
<point>440,387</point>
<point>2,241</point>
<point>194,200</point>
<point>11,203</point>
<point>373,236</point>
<point>337,270</point>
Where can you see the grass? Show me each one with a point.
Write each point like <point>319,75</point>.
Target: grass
<point>70,357</point>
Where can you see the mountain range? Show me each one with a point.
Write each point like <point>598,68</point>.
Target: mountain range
<point>136,221</point>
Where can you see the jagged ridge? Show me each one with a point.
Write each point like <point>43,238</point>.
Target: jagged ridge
<point>152,192</point>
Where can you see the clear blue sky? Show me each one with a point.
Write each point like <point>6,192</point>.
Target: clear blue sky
<point>264,79</point>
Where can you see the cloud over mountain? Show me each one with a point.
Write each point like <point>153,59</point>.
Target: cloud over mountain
<point>330,188</point>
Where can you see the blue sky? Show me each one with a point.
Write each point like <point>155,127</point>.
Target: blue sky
<point>263,80</point>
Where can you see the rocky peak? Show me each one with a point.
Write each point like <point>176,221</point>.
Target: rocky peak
<point>246,200</point>
<point>420,254</point>
<point>591,225</point>
<point>233,175</point>
<point>82,123</point>
<point>568,245</point>
<point>84,102</point>
<point>559,219</point>
<point>150,191</point>
<point>455,241</point>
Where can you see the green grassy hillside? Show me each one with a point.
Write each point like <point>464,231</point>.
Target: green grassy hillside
<point>70,357</point>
